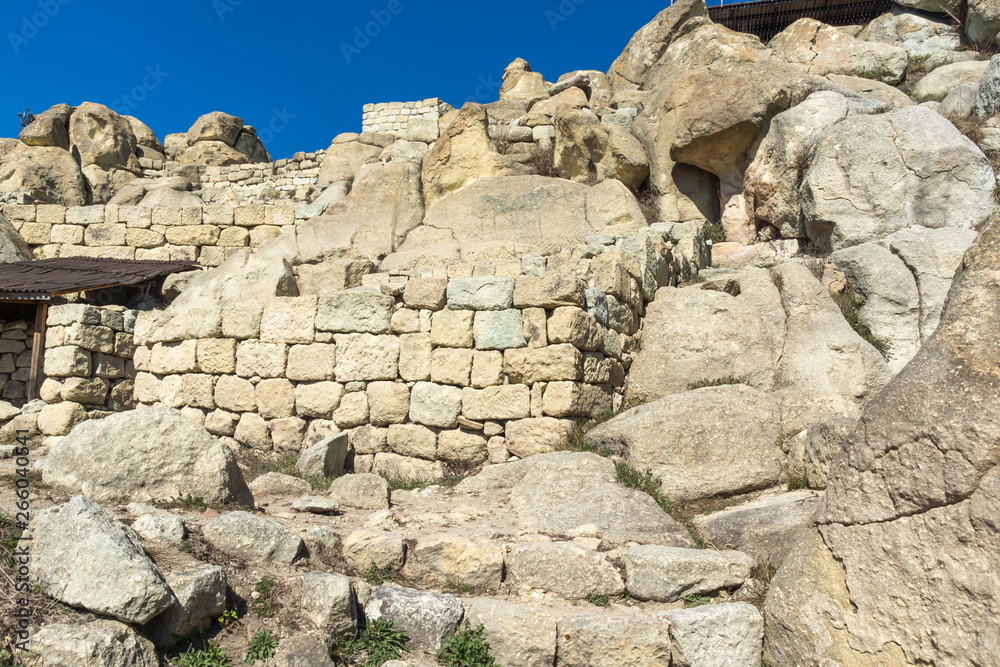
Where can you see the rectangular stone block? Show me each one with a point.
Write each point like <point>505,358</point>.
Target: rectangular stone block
<point>175,216</point>
<point>217,355</point>
<point>366,357</point>
<point>36,233</point>
<point>311,363</point>
<point>67,361</point>
<point>234,237</point>
<point>53,214</point>
<point>487,369</point>
<point>576,326</point>
<point>428,294</point>
<point>266,360</point>
<point>198,235</point>
<point>452,328</point>
<point>535,327</point>
<point>355,311</point>
<point>544,364</point>
<point>66,234</point>
<point>415,354</point>
<point>511,401</point>
<point>242,320</point>
<point>451,366</point>
<point>136,217</point>
<point>499,330</point>
<point>85,215</point>
<point>288,320</point>
<point>90,337</point>
<point>170,358</point>
<point>218,215</point>
<point>483,293</point>
<point>251,215</point>
<point>549,291</point>
<point>435,404</point>
<point>574,399</point>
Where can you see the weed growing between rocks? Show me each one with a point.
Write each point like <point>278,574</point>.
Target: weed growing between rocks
<point>210,656</point>
<point>265,604</point>
<point>718,382</point>
<point>696,601</point>
<point>466,648</point>
<point>649,484</point>
<point>646,199</point>
<point>376,645</point>
<point>598,599</point>
<point>796,482</point>
<point>376,576</point>
<point>543,160</point>
<point>262,647</point>
<point>850,304</point>
<point>760,581</point>
<point>254,465</point>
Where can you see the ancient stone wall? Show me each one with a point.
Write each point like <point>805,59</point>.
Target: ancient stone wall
<point>495,360</point>
<point>16,338</point>
<point>88,360</point>
<point>289,179</point>
<point>205,234</point>
<point>394,117</point>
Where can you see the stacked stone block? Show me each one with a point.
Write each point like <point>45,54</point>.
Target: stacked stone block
<point>395,117</point>
<point>424,372</point>
<point>292,180</point>
<point>88,364</point>
<point>16,339</point>
<point>207,235</point>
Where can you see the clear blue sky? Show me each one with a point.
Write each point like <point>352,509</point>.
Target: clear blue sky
<point>283,65</point>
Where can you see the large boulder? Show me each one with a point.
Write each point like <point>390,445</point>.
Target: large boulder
<point>935,86</point>
<point>646,46</point>
<point>427,618</point>
<point>585,147</point>
<point>875,90</point>
<point>99,643</point>
<point>870,176</point>
<point>823,49</point>
<point>49,128</point>
<point>463,154</point>
<point>99,136</point>
<point>712,92</point>
<point>215,126</point>
<point>211,153</point>
<point>933,39</point>
<point>83,556</point>
<point>144,455</point>
<point>526,213</point>
<point>49,175</point>
<point>343,161</point>
<point>570,493</point>
<point>775,176</point>
<point>12,246</point>
<point>982,21</point>
<point>727,444</point>
<point>145,139</point>
<point>900,569</point>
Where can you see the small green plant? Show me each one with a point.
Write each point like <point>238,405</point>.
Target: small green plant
<point>851,303</point>
<point>880,73</point>
<point>262,647</point>
<point>696,600</point>
<point>265,604</point>
<point>405,484</point>
<point>212,656</point>
<point>228,617</point>
<point>9,534</point>
<point>718,233</point>
<point>382,642</point>
<point>466,648</point>
<point>695,279</point>
<point>796,482</point>
<point>718,382</point>
<point>598,599</point>
<point>649,484</point>
<point>376,576</point>
<point>26,118</point>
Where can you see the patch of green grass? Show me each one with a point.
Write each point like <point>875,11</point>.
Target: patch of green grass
<point>376,576</point>
<point>718,382</point>
<point>598,599</point>
<point>266,604</point>
<point>695,279</point>
<point>796,482</point>
<point>879,73</point>
<point>262,647</point>
<point>850,304</point>
<point>718,233</point>
<point>9,534</point>
<point>255,465</point>
<point>212,656</point>
<point>466,648</point>
<point>382,642</point>
<point>696,601</point>
<point>404,484</point>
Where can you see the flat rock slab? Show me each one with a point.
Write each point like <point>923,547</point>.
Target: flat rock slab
<point>518,634</point>
<point>428,618</point>
<point>566,568</point>
<point>767,529</point>
<point>315,505</point>
<point>83,556</point>
<point>95,644</point>
<point>722,635</point>
<point>603,640</point>
<point>279,484</point>
<point>250,537</point>
<point>362,490</point>
<point>668,574</point>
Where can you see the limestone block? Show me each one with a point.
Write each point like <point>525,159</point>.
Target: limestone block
<point>233,237</point>
<point>252,432</point>
<point>275,398</point>
<point>394,466</point>
<point>197,235</point>
<point>197,390</point>
<point>415,354</point>
<point>221,423</point>
<point>234,393</point>
<point>549,291</point>
<point>544,364</point>
<point>405,321</point>
<point>499,330</point>
<point>527,437</point>
<point>308,363</point>
<point>352,411</point>
<point>575,326</point>
<point>288,320</point>
<point>535,327</point>
<point>67,361</point>
<point>574,399</point>
<point>60,418</point>
<point>90,337</point>
<point>487,368</point>
<point>503,402</point>
<point>216,355</point>
<point>266,360</point>
<point>462,448</point>
<point>369,439</point>
<point>318,399</point>
<point>451,559</point>
<point>435,404</point>
<point>355,311</point>
<point>388,403</point>
<point>287,433</point>
<point>427,293</point>
<point>483,293</point>
<point>452,328</point>
<point>366,357</point>
<point>412,440</point>
<point>451,366</point>
<point>179,357</point>
<point>104,235</point>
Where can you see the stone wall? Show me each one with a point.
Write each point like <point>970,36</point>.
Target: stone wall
<point>88,364</point>
<point>293,179</point>
<point>394,117</point>
<point>16,339</point>
<point>207,235</point>
<point>495,360</point>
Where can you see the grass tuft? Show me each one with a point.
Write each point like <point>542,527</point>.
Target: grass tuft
<point>466,648</point>
<point>598,599</point>
<point>718,382</point>
<point>262,647</point>
<point>850,304</point>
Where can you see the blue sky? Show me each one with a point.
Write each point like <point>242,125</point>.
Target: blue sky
<point>283,66</point>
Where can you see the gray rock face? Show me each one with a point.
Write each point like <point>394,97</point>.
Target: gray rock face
<point>724,635</point>
<point>303,651</point>
<point>824,442</point>
<point>200,598</point>
<point>94,644</point>
<point>250,537</point>
<point>568,569</point>
<point>960,100</point>
<point>910,508</point>
<point>565,493</point>
<point>428,618</point>
<point>667,574</point>
<point>361,490</point>
<point>987,101</point>
<point>767,529</point>
<point>603,640</point>
<point>144,455</point>
<point>325,458</point>
<point>84,557</point>
<point>12,246</point>
<point>727,443</point>
<point>328,601</point>
<point>870,176</point>
<point>519,635</point>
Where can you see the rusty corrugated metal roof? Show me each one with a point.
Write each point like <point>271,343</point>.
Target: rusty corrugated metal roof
<point>41,279</point>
